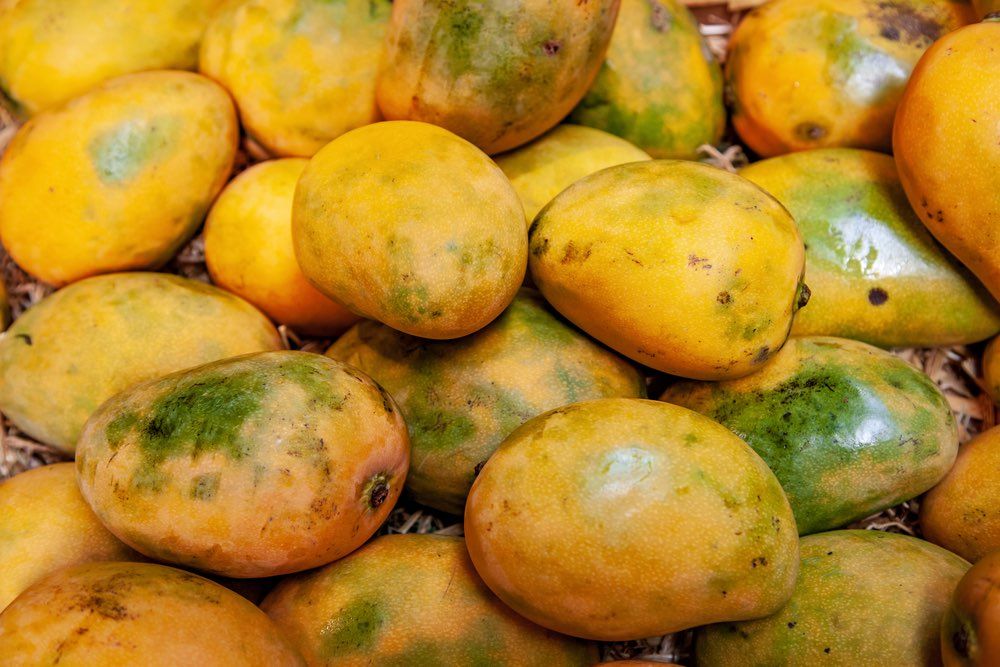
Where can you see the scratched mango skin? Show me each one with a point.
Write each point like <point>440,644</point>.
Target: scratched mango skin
<point>848,429</point>
<point>302,71</point>
<point>254,466</point>
<point>660,87</point>
<point>558,522</point>
<point>411,225</point>
<point>461,398</point>
<point>411,600</point>
<point>875,273</point>
<point>78,347</point>
<point>970,630</point>
<point>120,614</point>
<point>118,178</point>
<point>725,257</point>
<point>863,597</point>
<point>821,73</point>
<point>498,74</point>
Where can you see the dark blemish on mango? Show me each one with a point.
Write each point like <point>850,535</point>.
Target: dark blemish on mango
<point>810,131</point>
<point>803,298</point>
<point>698,262</point>
<point>26,338</point>
<point>478,469</point>
<point>633,258</point>
<point>539,249</point>
<point>791,624</point>
<point>574,254</point>
<point>901,20</point>
<point>659,16</point>
<point>355,628</point>
<point>725,298</point>
<point>759,561</point>
<point>890,32</point>
<point>376,491</point>
<point>387,404</point>
<point>960,642</point>
<point>204,487</point>
<point>551,47</point>
<point>877,296</point>
<point>763,354</point>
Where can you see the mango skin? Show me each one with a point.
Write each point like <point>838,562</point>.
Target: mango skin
<point>497,74</point>
<point>726,258</point>
<point>410,225</point>
<point>460,399</point>
<point>822,73</point>
<point>45,525</point>
<point>249,250</point>
<point>962,513</point>
<point>118,178</point>
<point>950,165</point>
<point>255,466</point>
<point>119,614</point>
<point>302,71</point>
<point>55,371</point>
<point>875,273</point>
<point>862,598</point>
<point>848,429</point>
<point>991,369</point>
<point>566,504</point>
<point>411,600</point>
<point>659,87</point>
<point>970,630</point>
<point>548,165</point>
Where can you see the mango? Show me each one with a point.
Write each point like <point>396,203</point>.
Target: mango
<point>725,259</point>
<point>118,178</point>
<point>548,165</point>
<point>45,525</point>
<point>970,631</point>
<point>498,74</point>
<point>460,399</point>
<point>302,71</point>
<point>862,598</point>
<point>962,513</point>
<point>411,600</point>
<point>848,429</point>
<point>559,522</point>
<point>660,87</point>
<point>255,466</point>
<point>947,146</point>
<point>991,369</point>
<point>249,250</point>
<point>819,73</point>
<point>78,347</point>
<point>118,614</point>
<point>410,225</point>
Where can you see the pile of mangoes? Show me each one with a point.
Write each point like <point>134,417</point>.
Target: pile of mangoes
<point>502,296</point>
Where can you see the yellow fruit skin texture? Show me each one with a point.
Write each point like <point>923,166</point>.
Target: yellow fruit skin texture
<point>116,179</point>
<point>962,513</point>
<point>725,257</point>
<point>460,399</point>
<point>77,348</point>
<point>248,249</point>
<point>863,597</point>
<point>875,273</point>
<point>411,600</point>
<point>302,71</point>
<point>51,52</point>
<point>255,466</point>
<point>410,225</point>
<point>947,146</point>
<point>123,614</point>
<point>660,86</point>
<point>45,525</point>
<point>819,73</point>
<point>970,631</point>
<point>558,521</point>
<point>547,166</point>
<point>498,74</point>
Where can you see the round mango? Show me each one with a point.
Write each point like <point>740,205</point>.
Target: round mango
<point>660,87</point>
<point>814,73</point>
<point>970,631</point>
<point>460,399</point>
<point>407,600</point>
<point>947,146</point>
<point>80,346</point>
<point>118,614</point>
<point>498,74</point>
<point>848,429</point>
<point>547,166</point>
<point>623,518</point>
<point>678,265</point>
<point>45,525</point>
<point>410,225</point>
<point>962,513</point>
<point>118,178</point>
<point>302,71</point>
<point>249,251</point>
<point>249,467</point>
<point>54,50</point>
<point>874,271</point>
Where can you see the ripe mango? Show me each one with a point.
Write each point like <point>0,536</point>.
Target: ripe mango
<point>970,630</point>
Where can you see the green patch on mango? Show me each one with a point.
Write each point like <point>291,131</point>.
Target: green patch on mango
<point>354,629</point>
<point>120,153</point>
